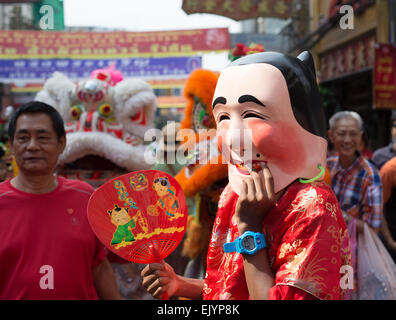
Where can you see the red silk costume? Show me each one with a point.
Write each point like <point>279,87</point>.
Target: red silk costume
<point>307,244</point>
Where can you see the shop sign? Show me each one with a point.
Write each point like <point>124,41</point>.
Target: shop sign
<point>353,57</point>
<point>385,76</point>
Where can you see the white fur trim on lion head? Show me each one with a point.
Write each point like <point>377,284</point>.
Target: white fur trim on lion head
<point>57,92</point>
<point>80,144</point>
<point>135,105</point>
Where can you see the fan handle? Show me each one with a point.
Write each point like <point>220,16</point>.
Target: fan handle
<point>158,259</point>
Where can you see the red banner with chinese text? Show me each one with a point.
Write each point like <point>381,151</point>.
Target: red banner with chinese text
<point>385,76</point>
<point>354,56</point>
<point>244,9</point>
<point>40,44</point>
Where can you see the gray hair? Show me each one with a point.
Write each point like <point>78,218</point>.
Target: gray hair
<point>345,114</point>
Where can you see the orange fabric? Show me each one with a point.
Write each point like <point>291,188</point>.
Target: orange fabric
<point>203,176</point>
<point>201,84</point>
<point>327,177</point>
<point>388,178</point>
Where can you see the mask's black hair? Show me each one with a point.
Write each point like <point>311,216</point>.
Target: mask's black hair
<point>300,77</point>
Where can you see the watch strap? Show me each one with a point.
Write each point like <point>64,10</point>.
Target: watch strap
<point>260,239</point>
<point>236,246</point>
<point>229,247</point>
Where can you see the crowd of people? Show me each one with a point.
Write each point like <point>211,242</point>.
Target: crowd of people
<point>292,247</point>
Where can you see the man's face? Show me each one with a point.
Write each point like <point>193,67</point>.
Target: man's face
<point>346,137</point>
<point>36,147</point>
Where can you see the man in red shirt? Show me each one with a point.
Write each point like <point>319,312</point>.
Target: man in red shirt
<point>47,248</point>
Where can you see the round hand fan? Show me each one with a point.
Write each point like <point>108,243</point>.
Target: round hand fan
<point>140,216</point>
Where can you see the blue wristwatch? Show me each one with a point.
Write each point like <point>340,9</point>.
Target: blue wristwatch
<point>248,243</point>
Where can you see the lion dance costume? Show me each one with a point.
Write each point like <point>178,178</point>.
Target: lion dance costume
<point>200,180</point>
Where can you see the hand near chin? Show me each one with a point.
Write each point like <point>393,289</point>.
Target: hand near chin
<point>256,199</point>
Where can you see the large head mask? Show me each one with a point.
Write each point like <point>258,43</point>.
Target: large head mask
<point>268,112</point>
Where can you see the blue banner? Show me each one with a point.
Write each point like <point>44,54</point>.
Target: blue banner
<point>38,70</point>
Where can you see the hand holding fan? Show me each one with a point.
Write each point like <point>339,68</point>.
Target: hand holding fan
<point>140,216</point>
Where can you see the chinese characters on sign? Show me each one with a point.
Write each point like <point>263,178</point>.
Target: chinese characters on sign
<point>32,56</point>
<point>39,69</point>
<point>385,76</point>
<point>355,56</point>
<point>35,44</point>
<point>245,9</point>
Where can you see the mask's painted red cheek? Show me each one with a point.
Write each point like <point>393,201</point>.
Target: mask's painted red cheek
<point>279,143</point>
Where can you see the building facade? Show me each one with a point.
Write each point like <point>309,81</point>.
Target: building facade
<point>348,33</point>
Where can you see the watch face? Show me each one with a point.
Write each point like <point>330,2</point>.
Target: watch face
<point>248,243</point>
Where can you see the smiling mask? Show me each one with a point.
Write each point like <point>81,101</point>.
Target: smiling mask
<point>269,113</point>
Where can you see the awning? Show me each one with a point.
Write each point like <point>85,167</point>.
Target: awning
<point>245,9</point>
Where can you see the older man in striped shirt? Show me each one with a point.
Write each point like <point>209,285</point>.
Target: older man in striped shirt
<point>355,180</point>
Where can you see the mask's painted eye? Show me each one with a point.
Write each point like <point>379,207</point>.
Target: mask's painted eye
<point>254,115</point>
<point>105,110</point>
<point>224,117</point>
<point>251,115</point>
<point>76,111</point>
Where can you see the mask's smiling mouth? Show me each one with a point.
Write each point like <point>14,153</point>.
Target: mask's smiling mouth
<point>241,169</point>
<point>246,168</point>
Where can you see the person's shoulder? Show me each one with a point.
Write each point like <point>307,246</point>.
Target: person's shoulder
<point>389,168</point>
<point>316,199</point>
<point>391,163</point>
<point>332,158</point>
<point>302,191</point>
<point>77,186</point>
<point>320,187</point>
<point>370,167</point>
<point>331,162</point>
<point>4,187</point>
<point>380,151</point>
<point>369,172</point>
